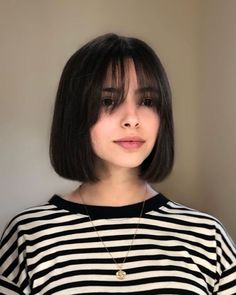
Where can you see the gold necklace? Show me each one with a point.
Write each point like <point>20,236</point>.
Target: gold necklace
<point>120,274</point>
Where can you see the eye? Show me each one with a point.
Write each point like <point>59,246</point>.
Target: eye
<point>107,102</point>
<point>148,102</point>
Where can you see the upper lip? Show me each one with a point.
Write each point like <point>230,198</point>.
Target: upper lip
<point>130,138</point>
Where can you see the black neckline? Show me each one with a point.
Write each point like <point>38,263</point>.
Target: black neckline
<point>103,212</point>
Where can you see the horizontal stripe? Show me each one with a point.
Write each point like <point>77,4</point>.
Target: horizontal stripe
<point>53,249</point>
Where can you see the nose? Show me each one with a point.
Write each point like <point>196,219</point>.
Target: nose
<point>130,125</point>
<point>130,118</point>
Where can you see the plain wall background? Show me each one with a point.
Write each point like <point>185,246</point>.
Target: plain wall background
<point>196,42</point>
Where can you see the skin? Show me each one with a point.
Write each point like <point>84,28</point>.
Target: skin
<point>117,167</point>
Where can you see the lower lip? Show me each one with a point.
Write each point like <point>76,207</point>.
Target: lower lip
<point>129,145</point>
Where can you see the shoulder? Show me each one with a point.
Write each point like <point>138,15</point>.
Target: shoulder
<point>201,226</point>
<point>31,217</point>
<point>176,210</point>
<point>193,224</point>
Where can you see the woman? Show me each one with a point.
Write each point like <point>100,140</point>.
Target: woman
<point>112,131</point>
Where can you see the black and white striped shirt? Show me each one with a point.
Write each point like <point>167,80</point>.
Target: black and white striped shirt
<point>54,249</point>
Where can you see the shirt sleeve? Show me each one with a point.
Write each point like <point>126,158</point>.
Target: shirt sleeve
<point>13,271</point>
<point>227,283</point>
<point>226,263</point>
<point>9,288</point>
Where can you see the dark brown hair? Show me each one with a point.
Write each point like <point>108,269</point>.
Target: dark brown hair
<point>78,104</point>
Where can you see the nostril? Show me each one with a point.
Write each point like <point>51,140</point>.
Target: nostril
<point>131,124</point>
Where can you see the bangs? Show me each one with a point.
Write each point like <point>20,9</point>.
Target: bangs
<point>148,80</point>
<point>116,80</point>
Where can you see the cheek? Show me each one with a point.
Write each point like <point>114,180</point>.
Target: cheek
<point>153,124</point>
<point>157,125</point>
<point>95,137</point>
<point>99,132</point>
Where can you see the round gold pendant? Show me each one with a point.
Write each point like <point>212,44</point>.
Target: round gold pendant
<point>120,274</point>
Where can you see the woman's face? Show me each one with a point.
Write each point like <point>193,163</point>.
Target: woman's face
<point>125,137</point>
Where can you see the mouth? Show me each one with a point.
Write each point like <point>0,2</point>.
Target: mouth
<point>130,139</point>
<point>130,144</point>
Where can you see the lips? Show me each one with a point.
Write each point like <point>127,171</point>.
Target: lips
<point>130,139</point>
<point>132,142</point>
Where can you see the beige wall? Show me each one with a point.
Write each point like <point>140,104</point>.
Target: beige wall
<point>37,37</point>
<point>217,110</point>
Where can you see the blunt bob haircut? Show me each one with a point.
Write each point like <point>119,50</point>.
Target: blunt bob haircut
<point>78,105</point>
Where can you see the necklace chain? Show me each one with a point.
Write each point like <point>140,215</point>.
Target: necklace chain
<point>120,274</point>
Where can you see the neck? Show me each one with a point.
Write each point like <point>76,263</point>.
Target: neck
<point>113,191</point>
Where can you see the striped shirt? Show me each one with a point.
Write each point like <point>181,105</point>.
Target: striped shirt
<point>54,249</point>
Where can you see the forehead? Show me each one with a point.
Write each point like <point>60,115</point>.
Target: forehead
<point>120,73</point>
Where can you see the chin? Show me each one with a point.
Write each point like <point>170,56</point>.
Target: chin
<point>128,164</point>
<point>122,161</point>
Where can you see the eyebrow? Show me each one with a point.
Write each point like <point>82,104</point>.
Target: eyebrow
<point>139,90</point>
<point>147,89</point>
<point>111,89</point>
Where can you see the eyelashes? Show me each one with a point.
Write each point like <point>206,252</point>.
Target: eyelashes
<point>148,102</point>
<point>109,102</point>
